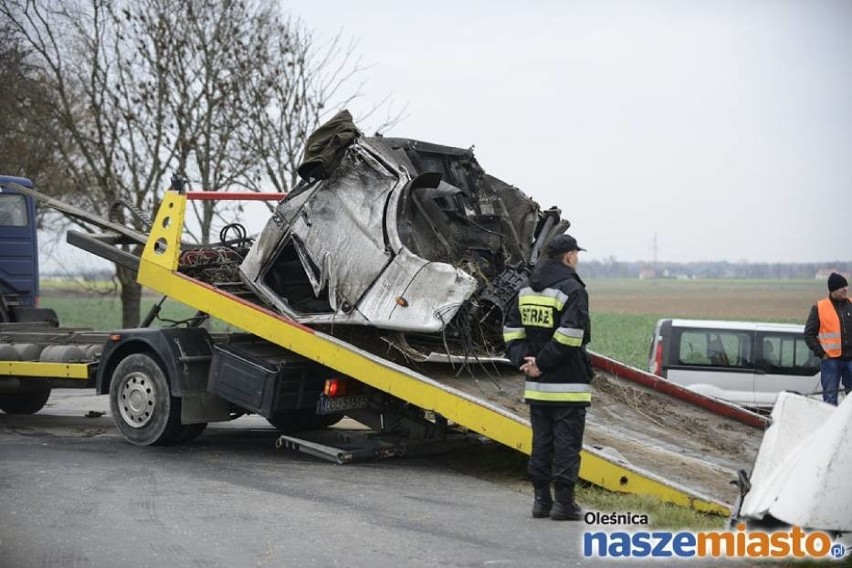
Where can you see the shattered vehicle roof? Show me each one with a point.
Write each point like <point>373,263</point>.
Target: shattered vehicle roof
<point>401,235</point>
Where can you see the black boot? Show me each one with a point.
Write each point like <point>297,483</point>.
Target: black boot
<point>564,507</point>
<point>543,502</point>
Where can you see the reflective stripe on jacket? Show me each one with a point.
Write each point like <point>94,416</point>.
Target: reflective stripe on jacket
<point>557,392</point>
<point>550,321</point>
<point>829,328</point>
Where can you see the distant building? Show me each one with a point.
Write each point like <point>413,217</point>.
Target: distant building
<point>650,274</point>
<point>824,273</point>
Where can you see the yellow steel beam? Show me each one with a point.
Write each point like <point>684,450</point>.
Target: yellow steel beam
<point>163,246</point>
<point>157,270</point>
<point>44,370</point>
<point>603,472</point>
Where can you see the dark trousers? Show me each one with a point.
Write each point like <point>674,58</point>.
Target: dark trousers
<point>557,441</point>
<point>831,373</point>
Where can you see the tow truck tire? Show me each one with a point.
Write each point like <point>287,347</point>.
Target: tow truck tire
<point>24,402</point>
<point>141,403</point>
<point>190,432</point>
<point>301,420</point>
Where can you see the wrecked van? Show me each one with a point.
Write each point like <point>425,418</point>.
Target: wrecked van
<point>399,235</point>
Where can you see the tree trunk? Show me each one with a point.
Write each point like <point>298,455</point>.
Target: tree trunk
<point>131,297</point>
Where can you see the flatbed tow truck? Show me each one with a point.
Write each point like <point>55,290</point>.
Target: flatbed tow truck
<point>644,435</point>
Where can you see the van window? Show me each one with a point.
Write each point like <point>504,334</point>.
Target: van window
<point>787,355</point>
<point>715,348</point>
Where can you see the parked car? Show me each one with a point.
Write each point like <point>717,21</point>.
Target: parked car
<point>745,363</point>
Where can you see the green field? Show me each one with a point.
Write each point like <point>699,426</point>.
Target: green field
<point>624,312</point>
<point>759,300</point>
<point>102,312</point>
<point>624,337</point>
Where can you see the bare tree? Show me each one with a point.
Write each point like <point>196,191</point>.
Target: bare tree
<point>313,82</point>
<point>296,102</point>
<point>76,50</point>
<point>224,92</point>
<point>25,139</point>
<point>199,58</point>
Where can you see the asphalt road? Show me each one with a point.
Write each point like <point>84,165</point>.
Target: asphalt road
<point>73,493</point>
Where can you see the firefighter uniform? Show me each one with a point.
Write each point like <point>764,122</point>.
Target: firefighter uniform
<point>551,323</point>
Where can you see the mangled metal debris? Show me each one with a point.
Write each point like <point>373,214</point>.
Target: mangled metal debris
<point>398,234</point>
<point>802,469</point>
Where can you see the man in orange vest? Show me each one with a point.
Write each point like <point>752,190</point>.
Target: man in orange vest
<point>828,333</point>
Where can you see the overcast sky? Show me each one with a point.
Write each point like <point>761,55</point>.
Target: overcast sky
<point>722,127</point>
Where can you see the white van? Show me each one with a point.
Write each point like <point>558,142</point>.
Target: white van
<point>745,363</point>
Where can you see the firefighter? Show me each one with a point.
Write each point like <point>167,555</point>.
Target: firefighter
<point>828,332</point>
<point>546,333</point>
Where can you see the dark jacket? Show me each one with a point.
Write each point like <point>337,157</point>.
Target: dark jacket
<point>550,321</point>
<point>844,312</point>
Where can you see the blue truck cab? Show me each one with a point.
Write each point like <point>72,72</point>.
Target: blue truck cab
<point>19,272</point>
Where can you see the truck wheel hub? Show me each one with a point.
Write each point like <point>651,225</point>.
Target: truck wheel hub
<point>138,400</point>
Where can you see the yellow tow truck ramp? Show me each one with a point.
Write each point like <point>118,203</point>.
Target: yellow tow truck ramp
<point>460,402</point>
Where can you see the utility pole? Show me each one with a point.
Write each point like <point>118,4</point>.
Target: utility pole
<point>654,252</point>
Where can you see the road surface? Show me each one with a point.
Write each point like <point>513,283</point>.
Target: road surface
<point>73,493</point>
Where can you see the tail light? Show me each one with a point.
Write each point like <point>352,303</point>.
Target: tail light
<point>338,387</point>
<point>658,358</point>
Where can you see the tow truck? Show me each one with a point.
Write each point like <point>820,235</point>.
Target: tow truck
<point>165,384</point>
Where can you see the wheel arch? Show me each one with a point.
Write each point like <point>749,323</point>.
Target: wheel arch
<point>107,366</point>
<point>180,353</point>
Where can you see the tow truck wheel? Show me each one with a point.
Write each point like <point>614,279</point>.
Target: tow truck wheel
<point>190,432</point>
<point>142,406</point>
<point>24,402</point>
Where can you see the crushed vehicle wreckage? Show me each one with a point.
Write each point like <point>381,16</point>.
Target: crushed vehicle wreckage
<point>399,235</point>
<point>802,468</point>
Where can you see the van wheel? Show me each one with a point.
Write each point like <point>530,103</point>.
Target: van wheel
<point>24,402</point>
<point>142,406</point>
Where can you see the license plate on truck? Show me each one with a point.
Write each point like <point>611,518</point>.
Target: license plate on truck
<point>327,405</point>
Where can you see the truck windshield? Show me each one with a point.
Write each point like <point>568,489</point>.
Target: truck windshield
<point>13,211</point>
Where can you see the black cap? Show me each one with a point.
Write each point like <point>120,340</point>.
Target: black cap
<point>561,244</point>
<point>836,281</point>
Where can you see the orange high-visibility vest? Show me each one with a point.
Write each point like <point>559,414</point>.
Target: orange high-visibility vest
<point>829,328</point>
